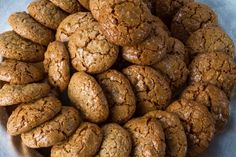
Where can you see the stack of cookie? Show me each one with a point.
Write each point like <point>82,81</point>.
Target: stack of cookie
<point>134,87</point>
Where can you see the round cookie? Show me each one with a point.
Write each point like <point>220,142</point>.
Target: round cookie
<point>176,141</point>
<point>70,6</point>
<point>24,25</point>
<point>84,3</point>
<point>125,22</point>
<point>17,72</point>
<point>46,13</point>
<point>15,94</point>
<point>216,68</point>
<point>57,64</point>
<point>211,39</point>
<point>85,142</point>
<point>198,124</point>
<point>190,18</point>
<point>151,88</point>
<point>13,46</point>
<point>28,116</point>
<point>116,142</point>
<point>53,131</point>
<point>90,51</point>
<point>71,23</point>
<point>151,50</point>
<point>147,136</point>
<point>174,69</point>
<point>119,94</point>
<point>87,96</point>
<point>213,98</point>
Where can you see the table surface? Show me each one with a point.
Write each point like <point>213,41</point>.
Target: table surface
<point>224,145</point>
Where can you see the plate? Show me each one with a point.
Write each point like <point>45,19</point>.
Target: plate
<point>222,146</point>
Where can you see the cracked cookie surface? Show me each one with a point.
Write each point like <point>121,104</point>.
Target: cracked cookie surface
<point>57,64</point>
<point>120,95</point>
<point>147,136</point>
<point>190,18</point>
<point>17,72</point>
<point>213,98</point>
<point>15,94</point>
<point>90,51</point>
<point>176,141</point>
<point>70,6</point>
<point>24,25</point>
<point>150,87</point>
<point>27,116</point>
<point>198,123</point>
<point>88,97</point>
<point>125,22</point>
<point>53,131</point>
<point>85,142</point>
<point>216,68</point>
<point>46,13</point>
<point>13,46</point>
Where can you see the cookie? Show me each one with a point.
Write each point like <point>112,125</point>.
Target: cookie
<point>70,6</point>
<point>13,46</point>
<point>90,51</point>
<point>71,23</point>
<point>53,131</point>
<point>96,6</point>
<point>216,68</point>
<point>84,3</point>
<point>88,97</point>
<point>211,39</point>
<point>119,94</point>
<point>28,116</point>
<point>24,25</point>
<point>57,64</point>
<point>151,88</point>
<point>147,136</point>
<point>198,124</point>
<point>174,69</point>
<point>116,141</point>
<point>46,13</point>
<point>125,22</point>
<point>190,18</point>
<point>151,50</point>
<point>16,94</point>
<point>213,98</point>
<point>85,142</point>
<point>17,72</point>
<point>176,141</point>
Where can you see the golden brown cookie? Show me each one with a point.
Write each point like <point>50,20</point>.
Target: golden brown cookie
<point>216,68</point>
<point>151,88</point>
<point>46,13</point>
<point>198,123</point>
<point>15,94</point>
<point>211,39</point>
<point>85,142</point>
<point>213,98</point>
<point>71,23</point>
<point>17,72</point>
<point>147,136</point>
<point>53,131</point>
<point>119,93</point>
<point>90,51</point>
<point>125,22</point>
<point>88,97</point>
<point>57,64</point>
<point>27,27</point>
<point>190,18</point>
<point>28,116</point>
<point>84,3</point>
<point>176,141</point>
<point>151,50</point>
<point>13,46</point>
<point>70,6</point>
<point>116,142</point>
